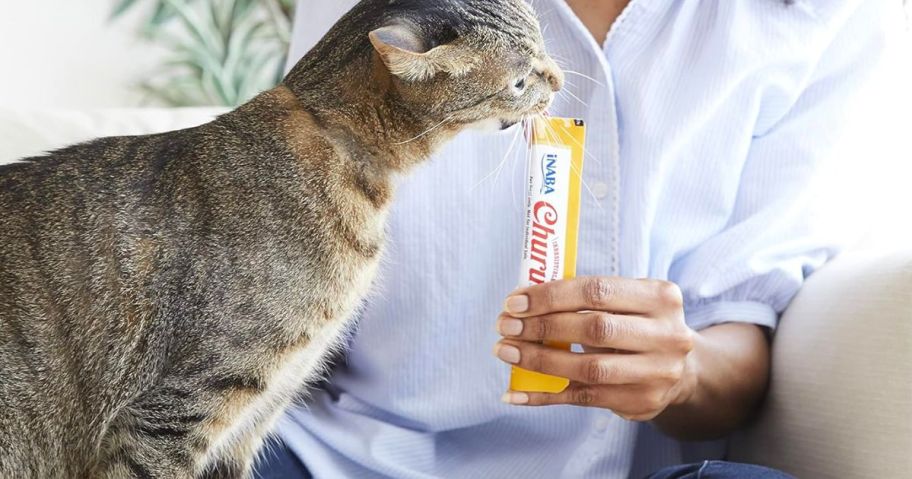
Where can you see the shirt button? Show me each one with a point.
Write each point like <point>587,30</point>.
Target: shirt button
<point>600,190</point>
<point>601,424</point>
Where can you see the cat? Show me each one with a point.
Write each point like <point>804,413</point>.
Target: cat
<point>163,298</point>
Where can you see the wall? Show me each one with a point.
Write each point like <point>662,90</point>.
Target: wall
<point>67,54</point>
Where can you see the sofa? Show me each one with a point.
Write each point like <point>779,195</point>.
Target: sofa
<point>840,401</point>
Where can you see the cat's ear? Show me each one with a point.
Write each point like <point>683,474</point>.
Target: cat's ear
<point>406,54</point>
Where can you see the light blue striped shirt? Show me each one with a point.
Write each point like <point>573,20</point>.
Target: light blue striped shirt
<point>711,123</point>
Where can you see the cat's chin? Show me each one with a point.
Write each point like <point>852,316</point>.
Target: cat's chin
<point>507,124</point>
<point>493,125</point>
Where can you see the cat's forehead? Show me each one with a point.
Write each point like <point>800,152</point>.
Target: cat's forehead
<point>501,27</point>
<point>512,17</point>
<point>513,21</point>
<point>510,20</point>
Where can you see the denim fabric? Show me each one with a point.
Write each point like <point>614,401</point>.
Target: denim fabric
<point>280,463</point>
<point>718,470</point>
<point>277,462</point>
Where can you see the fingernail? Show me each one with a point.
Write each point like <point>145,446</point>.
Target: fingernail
<point>514,397</point>
<point>508,354</point>
<point>517,304</point>
<point>510,327</point>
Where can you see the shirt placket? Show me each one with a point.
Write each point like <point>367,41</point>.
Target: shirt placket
<point>599,252</point>
<point>600,219</point>
<point>603,444</point>
<point>599,237</point>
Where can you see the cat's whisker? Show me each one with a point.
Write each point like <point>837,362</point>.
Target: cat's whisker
<point>569,84</point>
<point>585,184</point>
<point>498,166</point>
<point>558,61</point>
<point>572,95</point>
<point>513,169</point>
<point>540,14</point>
<point>528,126</point>
<point>426,131</point>
<point>557,58</point>
<point>504,162</point>
<point>571,72</point>
<point>585,151</point>
<point>553,135</point>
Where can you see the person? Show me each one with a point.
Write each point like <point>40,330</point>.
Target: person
<point>710,125</point>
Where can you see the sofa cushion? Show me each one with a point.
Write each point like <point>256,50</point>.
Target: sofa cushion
<point>840,403</point>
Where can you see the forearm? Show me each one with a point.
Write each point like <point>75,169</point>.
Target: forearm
<point>729,370</point>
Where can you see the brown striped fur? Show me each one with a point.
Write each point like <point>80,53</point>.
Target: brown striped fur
<point>164,297</point>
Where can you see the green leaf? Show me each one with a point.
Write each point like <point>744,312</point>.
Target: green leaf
<point>281,19</point>
<point>194,25</point>
<point>220,13</point>
<point>288,7</point>
<point>242,9</point>
<point>201,58</point>
<point>179,90</point>
<point>279,74</point>
<point>255,81</point>
<point>245,66</point>
<point>223,52</point>
<point>122,7</point>
<point>162,14</point>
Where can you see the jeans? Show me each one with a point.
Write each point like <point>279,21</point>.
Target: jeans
<point>718,470</point>
<point>279,463</point>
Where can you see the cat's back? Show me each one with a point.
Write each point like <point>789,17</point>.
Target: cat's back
<point>53,208</point>
<point>108,247</point>
<point>69,223</point>
<point>61,212</point>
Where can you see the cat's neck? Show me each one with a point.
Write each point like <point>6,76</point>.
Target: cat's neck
<point>393,136</point>
<point>354,142</point>
<point>368,113</point>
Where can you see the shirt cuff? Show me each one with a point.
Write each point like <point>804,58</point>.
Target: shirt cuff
<point>709,314</point>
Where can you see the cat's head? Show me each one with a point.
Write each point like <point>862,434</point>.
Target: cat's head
<point>452,63</point>
<point>467,61</point>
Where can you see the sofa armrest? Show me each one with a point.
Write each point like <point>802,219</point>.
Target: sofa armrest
<point>840,401</point>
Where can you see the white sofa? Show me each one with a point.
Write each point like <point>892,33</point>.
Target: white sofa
<point>840,404</point>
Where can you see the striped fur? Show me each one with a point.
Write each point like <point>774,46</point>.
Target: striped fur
<point>163,298</point>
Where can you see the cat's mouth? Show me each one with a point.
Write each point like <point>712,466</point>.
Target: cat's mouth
<point>541,109</point>
<point>505,124</point>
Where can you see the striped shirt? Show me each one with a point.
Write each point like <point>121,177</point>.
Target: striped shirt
<point>713,126</point>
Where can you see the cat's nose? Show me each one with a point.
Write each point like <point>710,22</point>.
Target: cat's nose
<point>553,75</point>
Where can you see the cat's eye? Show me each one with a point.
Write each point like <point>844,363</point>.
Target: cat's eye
<point>520,86</point>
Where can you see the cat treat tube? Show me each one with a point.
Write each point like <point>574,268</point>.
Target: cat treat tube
<point>555,166</point>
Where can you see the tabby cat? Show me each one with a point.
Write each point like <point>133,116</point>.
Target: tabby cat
<point>163,298</point>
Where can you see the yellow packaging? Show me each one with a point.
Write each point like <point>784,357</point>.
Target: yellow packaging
<point>552,221</point>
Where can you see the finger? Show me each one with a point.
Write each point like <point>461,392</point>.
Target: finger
<point>633,403</point>
<point>596,293</point>
<point>591,328</point>
<point>588,368</point>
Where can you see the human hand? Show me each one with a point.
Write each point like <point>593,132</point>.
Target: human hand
<point>637,357</point>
